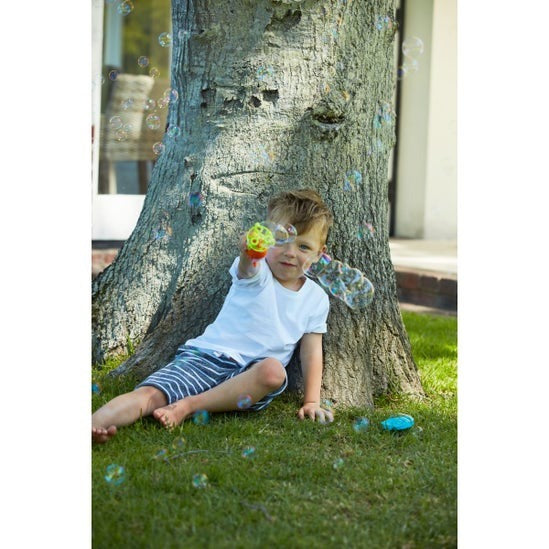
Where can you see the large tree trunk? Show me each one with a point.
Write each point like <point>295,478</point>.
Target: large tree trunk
<point>273,95</point>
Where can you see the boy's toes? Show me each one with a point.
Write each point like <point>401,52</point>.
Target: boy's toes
<point>111,431</point>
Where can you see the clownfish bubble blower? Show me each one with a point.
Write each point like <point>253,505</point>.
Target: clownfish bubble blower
<point>266,234</point>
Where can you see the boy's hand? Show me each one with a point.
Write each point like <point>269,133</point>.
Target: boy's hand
<point>315,411</point>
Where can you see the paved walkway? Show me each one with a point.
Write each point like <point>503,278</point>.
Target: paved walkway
<point>426,273</point>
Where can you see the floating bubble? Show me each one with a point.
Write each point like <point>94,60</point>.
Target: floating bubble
<point>161,454</point>
<point>172,96</point>
<point>248,452</point>
<point>178,444</point>
<point>195,200</point>
<point>361,424</point>
<point>365,230</point>
<point>121,135</point>
<point>201,417</point>
<point>282,234</point>
<point>154,72</point>
<point>244,402</point>
<point>96,389</point>
<point>200,480</point>
<point>165,39</point>
<point>412,47</point>
<point>263,73</point>
<point>149,104</point>
<point>352,179</point>
<point>115,474</point>
<point>384,22</point>
<point>115,122</point>
<point>410,66</point>
<point>143,61</point>
<point>173,131</point>
<point>163,102</point>
<point>338,463</point>
<point>113,74</point>
<point>152,121</point>
<point>158,148</point>
<point>128,127</point>
<point>125,7</point>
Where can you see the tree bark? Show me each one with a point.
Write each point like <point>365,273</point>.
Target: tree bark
<point>273,95</point>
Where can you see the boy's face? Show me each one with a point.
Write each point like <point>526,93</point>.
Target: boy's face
<point>289,262</point>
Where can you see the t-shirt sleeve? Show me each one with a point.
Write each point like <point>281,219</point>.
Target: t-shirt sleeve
<point>317,322</point>
<point>259,279</point>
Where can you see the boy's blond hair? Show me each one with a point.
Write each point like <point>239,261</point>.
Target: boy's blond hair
<point>303,208</point>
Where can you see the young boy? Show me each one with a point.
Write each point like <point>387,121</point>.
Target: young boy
<point>270,308</point>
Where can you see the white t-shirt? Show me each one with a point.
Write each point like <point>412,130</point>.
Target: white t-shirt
<point>261,318</point>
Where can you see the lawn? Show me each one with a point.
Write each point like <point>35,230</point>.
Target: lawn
<point>306,484</point>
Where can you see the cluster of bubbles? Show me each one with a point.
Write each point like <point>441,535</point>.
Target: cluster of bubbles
<point>384,22</point>
<point>201,417</point>
<point>264,73</point>
<point>365,230</point>
<point>342,281</point>
<point>200,480</point>
<point>352,179</point>
<point>125,7</point>
<point>244,402</point>
<point>115,474</point>
<point>248,452</point>
<point>412,48</point>
<point>384,116</point>
<point>165,39</point>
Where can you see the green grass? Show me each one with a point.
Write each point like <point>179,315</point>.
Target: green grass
<point>391,491</point>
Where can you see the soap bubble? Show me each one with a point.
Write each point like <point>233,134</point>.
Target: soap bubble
<point>365,230</point>
<point>154,72</point>
<point>352,179</point>
<point>96,389</point>
<point>161,454</point>
<point>121,135</point>
<point>178,444</point>
<point>127,103</point>
<point>244,402</point>
<point>152,121</point>
<point>328,404</point>
<point>264,73</point>
<point>115,122</point>
<point>361,424</point>
<point>384,22</point>
<point>170,95</point>
<point>115,474</point>
<point>412,47</point>
<point>248,452</point>
<point>149,104</point>
<point>282,234</point>
<point>338,463</point>
<point>143,61</point>
<point>200,480</point>
<point>125,7</point>
<point>165,39</point>
<point>195,200</point>
<point>201,417</point>
<point>113,74</point>
<point>163,102</point>
<point>158,148</point>
<point>173,131</point>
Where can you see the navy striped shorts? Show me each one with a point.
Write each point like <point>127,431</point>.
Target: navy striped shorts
<point>194,371</point>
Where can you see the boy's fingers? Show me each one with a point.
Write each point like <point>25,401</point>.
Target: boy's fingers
<point>300,414</point>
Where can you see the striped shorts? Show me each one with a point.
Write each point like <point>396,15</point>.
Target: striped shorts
<point>194,371</point>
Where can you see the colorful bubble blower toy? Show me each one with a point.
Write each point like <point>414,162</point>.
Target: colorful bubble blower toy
<point>342,281</point>
<point>266,234</point>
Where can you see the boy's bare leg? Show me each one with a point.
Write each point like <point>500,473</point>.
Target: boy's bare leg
<point>125,409</point>
<point>261,379</point>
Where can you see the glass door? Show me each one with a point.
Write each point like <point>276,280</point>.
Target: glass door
<point>131,46</point>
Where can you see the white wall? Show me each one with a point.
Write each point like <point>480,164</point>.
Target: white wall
<point>426,200</point>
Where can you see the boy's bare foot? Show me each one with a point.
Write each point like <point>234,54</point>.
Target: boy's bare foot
<point>171,415</point>
<point>100,434</point>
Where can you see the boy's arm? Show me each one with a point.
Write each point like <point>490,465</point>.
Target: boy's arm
<point>245,265</point>
<point>310,355</point>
